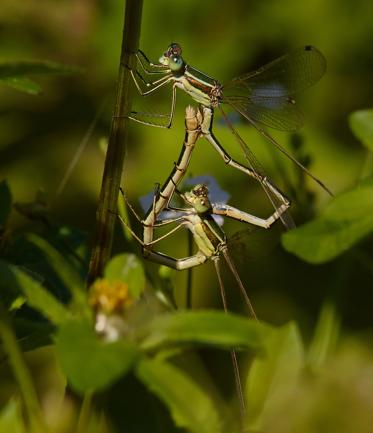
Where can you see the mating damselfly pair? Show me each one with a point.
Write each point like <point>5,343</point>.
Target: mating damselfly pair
<point>197,216</point>
<point>265,97</point>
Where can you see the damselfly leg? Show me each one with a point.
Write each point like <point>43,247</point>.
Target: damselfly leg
<point>146,118</point>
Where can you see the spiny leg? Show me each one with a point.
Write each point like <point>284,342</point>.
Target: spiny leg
<point>138,116</point>
<point>153,86</point>
<point>155,223</point>
<point>239,215</point>
<point>174,263</point>
<point>129,205</point>
<point>158,257</point>
<point>151,64</point>
<point>145,245</point>
<point>273,193</point>
<point>271,190</point>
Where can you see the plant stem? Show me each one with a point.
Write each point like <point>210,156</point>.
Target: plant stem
<point>21,373</point>
<point>106,212</point>
<point>85,412</point>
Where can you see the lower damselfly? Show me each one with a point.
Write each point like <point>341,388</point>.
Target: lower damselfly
<point>265,97</point>
<point>211,242</point>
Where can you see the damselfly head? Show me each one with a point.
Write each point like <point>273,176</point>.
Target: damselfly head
<point>198,197</point>
<point>172,57</point>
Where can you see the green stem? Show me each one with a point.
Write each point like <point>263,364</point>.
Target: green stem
<point>106,212</point>
<point>21,373</point>
<point>84,415</point>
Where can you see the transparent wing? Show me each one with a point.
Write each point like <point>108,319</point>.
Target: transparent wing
<point>285,76</point>
<point>250,238</point>
<point>150,118</point>
<point>252,245</point>
<point>279,113</point>
<point>266,95</point>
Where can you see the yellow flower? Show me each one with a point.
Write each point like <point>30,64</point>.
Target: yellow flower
<point>109,296</point>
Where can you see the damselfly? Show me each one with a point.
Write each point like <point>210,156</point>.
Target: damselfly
<point>264,97</point>
<point>210,240</point>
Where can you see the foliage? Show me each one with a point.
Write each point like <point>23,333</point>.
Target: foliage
<point>346,220</point>
<point>91,363</point>
<point>361,124</point>
<point>343,223</point>
<point>17,74</point>
<point>149,342</point>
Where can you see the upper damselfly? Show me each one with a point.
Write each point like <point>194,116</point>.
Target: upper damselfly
<point>265,97</point>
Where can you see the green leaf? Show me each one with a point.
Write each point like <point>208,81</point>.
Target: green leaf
<point>57,261</point>
<point>214,328</point>
<point>90,363</point>
<point>35,67</point>
<point>17,303</point>
<point>189,405</point>
<point>14,281</point>
<point>361,124</point>
<point>5,202</point>
<point>16,74</point>
<point>325,337</point>
<point>346,220</point>
<point>11,418</point>
<point>128,269</point>
<point>273,373</point>
<point>23,84</point>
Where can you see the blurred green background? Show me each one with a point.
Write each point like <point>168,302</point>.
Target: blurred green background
<point>40,135</point>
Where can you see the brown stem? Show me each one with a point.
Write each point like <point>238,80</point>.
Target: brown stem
<point>106,212</point>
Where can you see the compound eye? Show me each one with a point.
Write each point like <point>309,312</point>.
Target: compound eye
<point>204,190</point>
<point>176,49</point>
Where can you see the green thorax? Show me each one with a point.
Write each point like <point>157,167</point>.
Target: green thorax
<point>202,88</point>
<point>208,236</point>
